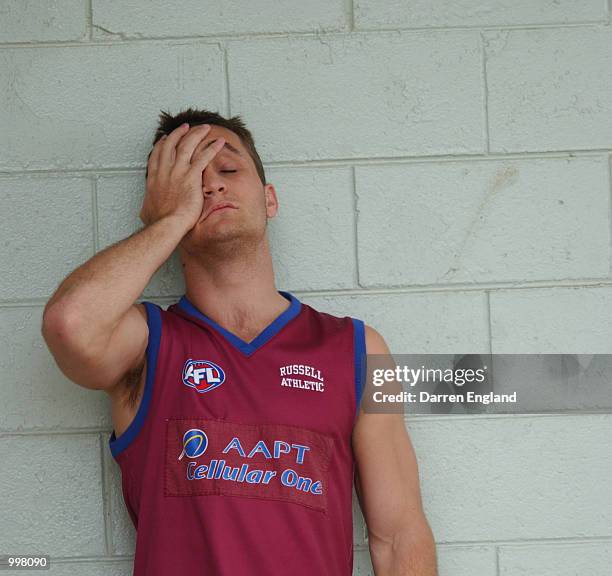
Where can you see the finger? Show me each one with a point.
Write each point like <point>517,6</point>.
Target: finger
<point>202,145</point>
<point>153,160</point>
<point>166,158</point>
<point>198,148</point>
<point>204,158</point>
<point>185,148</point>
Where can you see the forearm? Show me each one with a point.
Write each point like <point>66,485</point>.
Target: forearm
<point>406,554</point>
<point>99,292</point>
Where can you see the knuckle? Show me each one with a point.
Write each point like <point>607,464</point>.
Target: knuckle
<point>180,151</point>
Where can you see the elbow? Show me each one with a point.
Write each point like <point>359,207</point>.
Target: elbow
<point>58,327</point>
<point>415,534</point>
<point>54,325</point>
<point>407,536</point>
<point>67,338</point>
<point>410,545</point>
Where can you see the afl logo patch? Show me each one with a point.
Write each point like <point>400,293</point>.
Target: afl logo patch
<point>203,375</point>
<point>195,443</point>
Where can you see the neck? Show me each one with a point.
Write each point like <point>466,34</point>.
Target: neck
<point>234,286</point>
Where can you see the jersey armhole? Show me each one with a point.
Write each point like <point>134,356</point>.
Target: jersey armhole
<point>118,445</point>
<point>359,358</point>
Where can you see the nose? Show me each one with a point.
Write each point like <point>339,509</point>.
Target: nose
<point>212,182</point>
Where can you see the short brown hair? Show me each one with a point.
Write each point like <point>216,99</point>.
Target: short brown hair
<point>168,122</point>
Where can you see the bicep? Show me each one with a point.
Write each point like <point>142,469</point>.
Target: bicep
<point>125,355</point>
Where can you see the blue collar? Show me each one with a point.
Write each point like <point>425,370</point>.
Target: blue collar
<point>247,347</point>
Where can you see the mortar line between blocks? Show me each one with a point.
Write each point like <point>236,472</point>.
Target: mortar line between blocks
<point>94,213</point>
<point>408,418</point>
<point>338,161</point>
<point>489,329</point>
<point>106,499</point>
<point>497,561</point>
<point>5,433</point>
<point>225,66</point>
<point>356,276</point>
<point>67,560</point>
<point>610,205</point>
<point>446,545</point>
<point>333,33</point>
<point>423,289</point>
<point>89,19</point>
<point>536,542</point>
<point>528,542</point>
<point>485,93</point>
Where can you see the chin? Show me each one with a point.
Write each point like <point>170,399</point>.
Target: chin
<point>220,234</point>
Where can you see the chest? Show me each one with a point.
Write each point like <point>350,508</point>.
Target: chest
<point>299,380</point>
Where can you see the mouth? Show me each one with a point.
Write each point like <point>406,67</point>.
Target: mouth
<point>222,206</point>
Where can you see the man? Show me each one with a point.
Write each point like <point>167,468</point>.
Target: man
<point>237,422</point>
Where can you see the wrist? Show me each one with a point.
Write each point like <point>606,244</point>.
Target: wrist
<point>176,224</point>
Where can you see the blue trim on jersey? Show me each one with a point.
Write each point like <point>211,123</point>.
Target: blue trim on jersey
<point>118,445</point>
<point>359,347</point>
<point>248,347</point>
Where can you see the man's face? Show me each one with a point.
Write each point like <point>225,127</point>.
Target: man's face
<point>232,177</point>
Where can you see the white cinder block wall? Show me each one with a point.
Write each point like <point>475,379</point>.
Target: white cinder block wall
<point>444,174</point>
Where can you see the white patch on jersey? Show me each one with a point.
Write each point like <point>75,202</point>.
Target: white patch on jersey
<point>291,377</point>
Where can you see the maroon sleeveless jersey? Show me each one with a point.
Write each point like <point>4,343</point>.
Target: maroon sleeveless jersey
<point>239,459</point>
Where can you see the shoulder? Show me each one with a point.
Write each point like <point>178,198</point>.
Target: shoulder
<point>375,343</point>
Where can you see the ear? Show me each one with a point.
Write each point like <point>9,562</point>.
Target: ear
<point>271,200</point>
